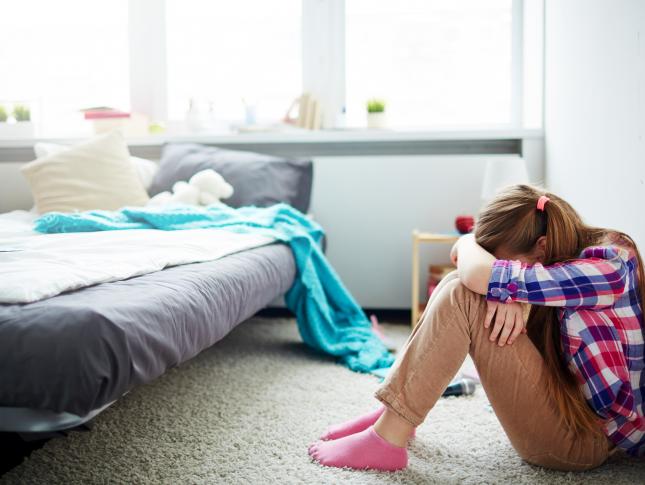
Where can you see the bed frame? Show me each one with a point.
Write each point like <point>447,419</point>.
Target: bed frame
<point>27,420</point>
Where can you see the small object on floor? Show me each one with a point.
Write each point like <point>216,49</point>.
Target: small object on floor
<point>361,451</point>
<point>460,387</point>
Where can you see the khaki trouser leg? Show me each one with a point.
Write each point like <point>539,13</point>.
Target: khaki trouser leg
<point>514,378</point>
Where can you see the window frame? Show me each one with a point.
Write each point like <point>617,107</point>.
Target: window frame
<point>323,58</point>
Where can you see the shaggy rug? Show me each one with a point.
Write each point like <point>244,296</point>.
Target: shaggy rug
<point>245,410</point>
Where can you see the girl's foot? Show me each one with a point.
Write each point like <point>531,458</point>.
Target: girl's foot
<point>362,450</point>
<point>352,426</point>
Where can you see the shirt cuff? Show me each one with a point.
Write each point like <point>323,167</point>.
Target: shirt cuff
<point>502,286</point>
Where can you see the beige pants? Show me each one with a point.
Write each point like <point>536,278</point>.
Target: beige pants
<point>513,377</point>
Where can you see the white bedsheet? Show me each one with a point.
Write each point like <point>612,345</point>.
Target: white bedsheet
<point>35,266</point>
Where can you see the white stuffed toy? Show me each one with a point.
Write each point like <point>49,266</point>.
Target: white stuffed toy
<point>204,188</point>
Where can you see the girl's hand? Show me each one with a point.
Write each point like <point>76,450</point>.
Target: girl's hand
<point>509,321</point>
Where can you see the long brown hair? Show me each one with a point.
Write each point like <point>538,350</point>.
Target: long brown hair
<point>512,220</point>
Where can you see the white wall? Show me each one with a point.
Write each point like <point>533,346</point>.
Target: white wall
<point>370,205</point>
<point>595,109</point>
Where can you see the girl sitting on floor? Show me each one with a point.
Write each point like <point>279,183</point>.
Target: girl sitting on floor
<point>568,393</point>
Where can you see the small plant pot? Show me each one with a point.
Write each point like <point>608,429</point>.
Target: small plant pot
<point>16,131</point>
<point>376,120</point>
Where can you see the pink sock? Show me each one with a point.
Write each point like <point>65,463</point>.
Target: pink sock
<point>355,425</point>
<point>352,426</point>
<point>363,450</point>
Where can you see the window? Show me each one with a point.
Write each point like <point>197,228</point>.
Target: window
<point>434,62</point>
<point>59,57</point>
<point>453,63</point>
<point>228,54</point>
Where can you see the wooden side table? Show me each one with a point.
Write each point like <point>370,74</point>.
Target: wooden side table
<point>418,238</point>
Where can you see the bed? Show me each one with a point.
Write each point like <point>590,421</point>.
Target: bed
<point>64,359</point>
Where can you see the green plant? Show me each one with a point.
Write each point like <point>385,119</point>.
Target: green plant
<point>3,114</point>
<point>375,105</point>
<point>21,113</point>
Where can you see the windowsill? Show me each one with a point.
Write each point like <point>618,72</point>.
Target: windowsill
<point>343,136</point>
<point>308,136</point>
<point>318,143</point>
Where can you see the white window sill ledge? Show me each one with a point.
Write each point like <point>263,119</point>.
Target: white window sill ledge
<point>305,136</point>
<point>319,143</point>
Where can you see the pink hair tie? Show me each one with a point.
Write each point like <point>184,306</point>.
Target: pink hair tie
<point>542,202</point>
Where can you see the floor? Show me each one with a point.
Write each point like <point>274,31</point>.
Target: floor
<point>245,410</point>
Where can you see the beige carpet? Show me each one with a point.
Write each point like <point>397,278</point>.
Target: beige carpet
<point>245,410</point>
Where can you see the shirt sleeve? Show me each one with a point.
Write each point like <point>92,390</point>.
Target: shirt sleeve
<point>596,280</point>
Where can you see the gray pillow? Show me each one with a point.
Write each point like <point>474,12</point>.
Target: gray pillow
<point>260,180</point>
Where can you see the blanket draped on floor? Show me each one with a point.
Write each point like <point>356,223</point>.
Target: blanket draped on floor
<point>329,319</point>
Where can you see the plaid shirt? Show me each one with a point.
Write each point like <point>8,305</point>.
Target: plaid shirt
<point>601,327</point>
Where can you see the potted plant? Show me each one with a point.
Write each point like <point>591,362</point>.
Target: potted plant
<point>21,113</point>
<point>19,125</point>
<point>376,113</point>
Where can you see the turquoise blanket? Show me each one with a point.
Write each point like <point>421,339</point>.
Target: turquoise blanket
<point>329,319</point>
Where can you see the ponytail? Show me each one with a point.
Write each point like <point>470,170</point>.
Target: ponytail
<point>562,238</point>
<point>563,242</point>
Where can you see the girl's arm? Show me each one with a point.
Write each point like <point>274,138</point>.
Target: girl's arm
<point>474,264</point>
<point>597,279</point>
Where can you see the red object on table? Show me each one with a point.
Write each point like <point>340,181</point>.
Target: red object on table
<point>464,224</point>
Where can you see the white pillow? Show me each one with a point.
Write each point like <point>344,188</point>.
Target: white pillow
<point>146,169</point>
<point>96,174</point>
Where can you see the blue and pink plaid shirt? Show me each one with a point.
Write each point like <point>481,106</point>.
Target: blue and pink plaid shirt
<point>601,326</point>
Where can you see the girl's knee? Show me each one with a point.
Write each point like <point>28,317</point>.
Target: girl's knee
<point>461,293</point>
<point>454,295</point>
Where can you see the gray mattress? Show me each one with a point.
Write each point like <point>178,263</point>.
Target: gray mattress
<point>79,351</point>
